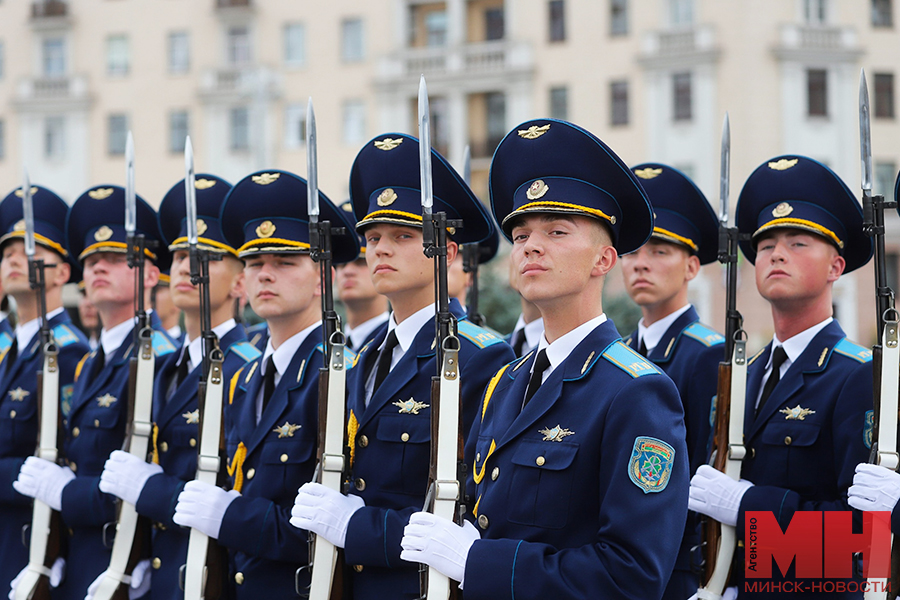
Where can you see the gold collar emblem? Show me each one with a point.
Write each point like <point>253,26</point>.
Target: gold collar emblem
<point>265,178</point>
<point>782,210</point>
<point>103,234</point>
<point>192,417</point>
<point>21,194</point>
<point>537,189</point>
<point>106,400</point>
<point>265,229</point>
<point>201,227</point>
<point>18,394</point>
<point>555,434</point>
<point>784,164</point>
<point>797,413</point>
<point>534,132</point>
<point>204,184</point>
<point>286,430</point>
<point>20,225</point>
<point>648,173</point>
<point>410,407</point>
<point>101,193</point>
<point>388,143</point>
<point>386,197</point>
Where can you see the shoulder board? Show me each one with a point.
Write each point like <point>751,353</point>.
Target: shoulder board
<point>853,350</point>
<point>64,335</point>
<point>162,345</point>
<point>5,342</point>
<point>477,335</point>
<point>703,334</point>
<point>245,350</point>
<point>629,361</point>
<point>349,355</point>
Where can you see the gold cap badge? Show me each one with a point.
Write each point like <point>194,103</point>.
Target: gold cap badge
<point>534,132</point>
<point>782,210</point>
<point>204,184</point>
<point>783,164</point>
<point>21,194</point>
<point>348,206</point>
<point>101,193</point>
<point>648,173</point>
<point>201,227</point>
<point>386,197</point>
<point>537,190</point>
<point>265,178</point>
<point>20,225</point>
<point>265,229</point>
<point>388,143</point>
<point>103,234</point>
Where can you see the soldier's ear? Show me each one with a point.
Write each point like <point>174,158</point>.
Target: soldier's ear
<point>836,269</point>
<point>63,271</point>
<point>452,250</point>
<point>692,267</point>
<point>151,275</point>
<point>238,288</point>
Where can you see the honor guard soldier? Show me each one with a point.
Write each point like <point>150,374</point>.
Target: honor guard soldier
<point>808,391</point>
<point>366,309</point>
<point>19,398</point>
<point>272,406</point>
<point>154,487</point>
<point>96,419</point>
<point>389,389</point>
<point>669,334</point>
<point>580,479</point>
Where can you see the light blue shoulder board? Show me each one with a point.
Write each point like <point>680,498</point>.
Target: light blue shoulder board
<point>245,350</point>
<point>629,361</point>
<point>477,335</point>
<point>349,355</point>
<point>703,334</point>
<point>64,335</point>
<point>5,342</point>
<point>853,350</point>
<point>161,344</point>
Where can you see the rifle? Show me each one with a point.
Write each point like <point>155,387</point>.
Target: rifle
<point>447,467</point>
<point>46,526</point>
<point>132,531</point>
<point>886,351</point>
<point>205,573</point>
<point>326,580</point>
<point>720,540</point>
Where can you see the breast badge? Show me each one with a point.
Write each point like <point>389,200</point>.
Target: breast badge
<point>106,400</point>
<point>555,434</point>
<point>410,407</point>
<point>287,430</point>
<point>797,413</point>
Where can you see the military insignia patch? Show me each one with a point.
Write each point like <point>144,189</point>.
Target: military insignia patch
<point>782,210</point>
<point>21,194</point>
<point>648,173</point>
<point>106,400</point>
<point>287,430</point>
<point>20,225</point>
<point>386,197</point>
<point>869,428</point>
<point>410,407</point>
<point>204,184</point>
<point>537,190</point>
<point>388,143</point>
<point>201,227</point>
<point>103,234</point>
<point>555,434</point>
<point>797,413</point>
<point>534,132</point>
<point>18,394</point>
<point>192,417</point>
<point>783,165</point>
<point>265,178</point>
<point>265,229</point>
<point>651,463</point>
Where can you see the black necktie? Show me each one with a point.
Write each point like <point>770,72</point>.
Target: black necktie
<point>98,364</point>
<point>643,348</point>
<point>778,358</point>
<point>385,359</point>
<point>268,381</point>
<point>537,375</point>
<point>181,372</point>
<point>518,341</point>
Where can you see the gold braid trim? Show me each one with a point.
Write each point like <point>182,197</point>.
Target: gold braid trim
<point>236,468</point>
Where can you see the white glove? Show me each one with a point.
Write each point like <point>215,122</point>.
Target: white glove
<point>730,593</point>
<point>138,582</point>
<point>124,475</point>
<point>441,544</point>
<point>43,480</point>
<point>324,511</point>
<point>57,572</point>
<point>874,488</point>
<point>202,507</point>
<point>717,495</point>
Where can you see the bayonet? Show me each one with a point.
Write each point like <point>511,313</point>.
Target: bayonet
<point>425,180</point>
<point>28,213</point>
<point>865,134</point>
<point>130,197</point>
<point>724,171</point>
<point>190,193</point>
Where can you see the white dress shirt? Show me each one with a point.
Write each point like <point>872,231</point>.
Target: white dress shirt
<point>793,347</point>
<point>651,334</point>
<point>406,333</point>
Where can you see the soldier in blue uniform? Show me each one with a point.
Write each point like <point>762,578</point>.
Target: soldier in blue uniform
<point>154,487</point>
<point>669,334</point>
<point>580,477</point>
<point>809,390</point>
<point>23,358</point>
<point>271,411</point>
<point>389,390</point>
<point>96,418</point>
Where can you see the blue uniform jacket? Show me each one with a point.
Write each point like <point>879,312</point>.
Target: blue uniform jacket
<point>178,421</point>
<point>392,449</point>
<point>806,441</point>
<point>95,426</point>
<point>19,430</point>
<point>583,494</point>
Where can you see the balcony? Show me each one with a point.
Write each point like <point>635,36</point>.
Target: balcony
<point>232,83</point>
<point>690,46</point>
<point>809,42</point>
<point>233,3</point>
<point>49,8</point>
<point>42,93</point>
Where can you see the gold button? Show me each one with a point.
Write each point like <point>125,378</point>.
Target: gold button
<point>358,568</point>
<point>164,447</point>
<point>76,432</point>
<point>363,441</point>
<point>787,441</point>
<point>157,563</point>
<point>495,473</point>
<point>483,521</point>
<point>12,414</point>
<point>73,466</point>
<point>478,457</point>
<point>96,422</point>
<point>405,437</point>
<point>284,458</point>
<point>539,461</point>
<point>360,484</point>
<point>239,578</point>
<point>251,473</point>
<point>192,442</point>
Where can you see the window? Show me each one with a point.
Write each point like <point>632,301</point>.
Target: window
<point>294,44</point>
<point>496,119</point>
<point>885,172</point>
<point>884,95</point>
<point>815,12</point>
<point>682,109</point>
<point>295,126</point>
<point>557,21</point>
<point>681,13</point>
<point>239,126</point>
<point>494,24</point>
<point>618,17</point>
<point>179,129</point>
<point>352,43</point>
<point>817,92</point>
<point>436,28</point>
<point>117,55</point>
<point>54,137</point>
<point>618,92</point>
<point>559,102</point>
<point>239,46</point>
<point>117,134</point>
<point>179,52</point>
<point>882,13</point>
<point>354,118</point>
<point>53,57</point>
<point>2,139</point>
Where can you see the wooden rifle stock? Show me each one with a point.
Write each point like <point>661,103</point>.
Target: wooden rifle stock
<point>712,529</point>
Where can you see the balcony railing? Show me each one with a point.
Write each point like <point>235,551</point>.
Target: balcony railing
<point>233,3</point>
<point>49,8</point>
<point>34,92</point>
<point>485,58</point>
